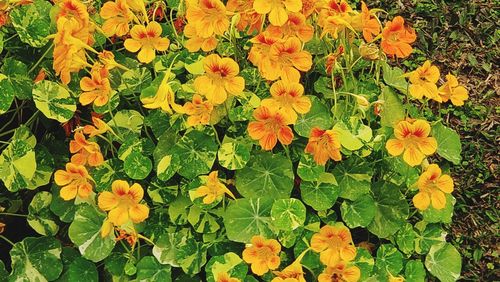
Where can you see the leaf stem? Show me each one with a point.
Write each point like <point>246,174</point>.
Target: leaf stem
<point>13,214</point>
<point>7,240</point>
<point>41,58</point>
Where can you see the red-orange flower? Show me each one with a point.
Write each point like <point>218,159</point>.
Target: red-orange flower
<point>85,151</point>
<point>396,38</point>
<point>366,23</point>
<point>199,111</point>
<point>270,127</point>
<point>99,127</point>
<point>323,145</point>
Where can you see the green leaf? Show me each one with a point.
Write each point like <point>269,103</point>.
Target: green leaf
<point>405,238</point>
<point>40,218</point>
<point>444,215</point>
<point>365,262</point>
<point>308,169</point>
<point>389,259</point>
<point>36,259</point>
<point>448,140</point>
<point>234,154</point>
<point>245,218</point>
<point>82,270</point>
<point>167,246</point>
<point>266,174</point>
<point>348,139</point>
<point>202,221</point>
<point>127,120</point>
<point>391,209</point>
<point>18,78</point>
<point>392,108</point>
<point>288,214</point>
<point>358,213</point>
<point>191,256</point>
<point>318,116</point>
<point>444,262</point>
<point>197,151</point>
<point>414,271</point>
<point>32,22</point>
<point>354,178</point>
<point>149,269</point>
<point>229,263</point>
<point>106,173</point>
<point>44,168</point>
<point>320,196</point>
<point>85,232</point>
<point>137,166</point>
<point>7,94</point>
<point>427,236</point>
<point>54,101</point>
<point>134,80</point>
<point>394,78</point>
<point>161,192</point>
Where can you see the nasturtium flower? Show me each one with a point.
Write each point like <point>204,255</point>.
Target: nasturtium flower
<point>249,20</point>
<point>212,190</point>
<point>366,23</point>
<point>220,79</point>
<point>396,278</point>
<point>147,39</point>
<point>340,272</point>
<point>292,273</point>
<point>97,88</point>
<point>196,42</point>
<point>199,111</point>
<point>262,43</point>
<point>412,140</point>
<point>396,38</point>
<point>263,255</point>
<point>75,181</point>
<point>208,17</point>
<point>107,59</point>
<point>310,7</point>
<point>106,228</point>
<point>433,187</point>
<point>269,127</point>
<point>117,16</point>
<point>277,9</point>
<point>85,151</point>
<point>323,145</point>
<point>334,243</point>
<point>451,90</point>
<point>224,277</point>
<point>296,26</point>
<point>423,82</point>
<point>123,203</point>
<point>99,127</point>
<point>288,99</point>
<point>73,9</point>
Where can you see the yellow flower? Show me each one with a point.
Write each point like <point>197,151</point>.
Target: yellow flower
<point>277,9</point>
<point>263,255</point>
<point>212,190</point>
<point>221,78</point>
<point>452,91</point>
<point>75,180</point>
<point>412,138</point>
<point>123,203</point>
<point>340,272</point>
<point>97,88</point>
<point>224,277</point>
<point>334,243</point>
<point>208,17</point>
<point>199,111</point>
<point>288,99</point>
<point>148,40</point>
<point>117,16</point>
<point>164,98</point>
<point>99,127</point>
<point>423,82</point>
<point>285,59</point>
<point>196,42</point>
<point>106,228</point>
<point>432,186</point>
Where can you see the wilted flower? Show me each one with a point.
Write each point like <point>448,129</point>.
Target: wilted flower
<point>340,272</point>
<point>199,111</point>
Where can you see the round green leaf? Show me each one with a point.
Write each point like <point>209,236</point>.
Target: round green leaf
<point>36,259</point>
<point>65,210</point>
<point>167,166</point>
<point>234,154</point>
<point>448,140</point>
<point>414,271</point>
<point>389,259</point>
<point>365,262</point>
<point>191,256</point>
<point>266,174</point>
<point>392,110</point>
<point>167,246</point>
<point>32,22</point>
<point>127,120</point>
<point>354,178</point>
<point>85,232</point>
<point>202,221</point>
<point>229,263</point>
<point>391,209</point>
<point>320,196</point>
<point>318,116</point>
<point>405,238</point>
<point>308,169</point>
<point>161,192</point>
<point>245,218</point>
<point>393,76</point>
<point>7,93</point>
<point>40,218</point>
<point>134,80</point>
<point>427,236</point>
<point>288,214</point>
<point>149,269</point>
<point>82,270</point>
<point>54,101</point>
<point>137,166</point>
<point>18,77</point>
<point>444,262</point>
<point>358,213</point>
<point>17,164</point>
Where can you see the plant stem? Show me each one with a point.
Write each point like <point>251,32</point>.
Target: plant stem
<point>7,240</point>
<point>41,58</point>
<point>13,214</point>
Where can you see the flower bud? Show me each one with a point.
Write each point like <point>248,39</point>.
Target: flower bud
<point>369,51</point>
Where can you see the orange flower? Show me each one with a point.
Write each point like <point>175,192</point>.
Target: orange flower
<point>333,8</point>
<point>412,138</point>
<point>212,190</point>
<point>309,7</point>
<point>261,47</point>
<point>291,273</point>
<point>263,255</point>
<point>340,272</point>
<point>75,180</point>
<point>148,40</point>
<point>396,38</point>
<point>220,78</point>
<point>277,9</point>
<point>423,82</point>
<point>334,243</point>
<point>208,17</point>
<point>195,42</point>
<point>432,186</point>
<point>199,111</point>
<point>99,127</point>
<point>97,89</point>
<point>288,99</point>
<point>323,145</point>
<point>270,127</point>
<point>123,203</point>
<point>117,16</point>
<point>249,19</point>
<point>366,23</point>
<point>85,151</point>
<point>107,59</point>
<point>224,277</point>
<point>296,26</point>
<point>451,90</point>
<point>73,9</point>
